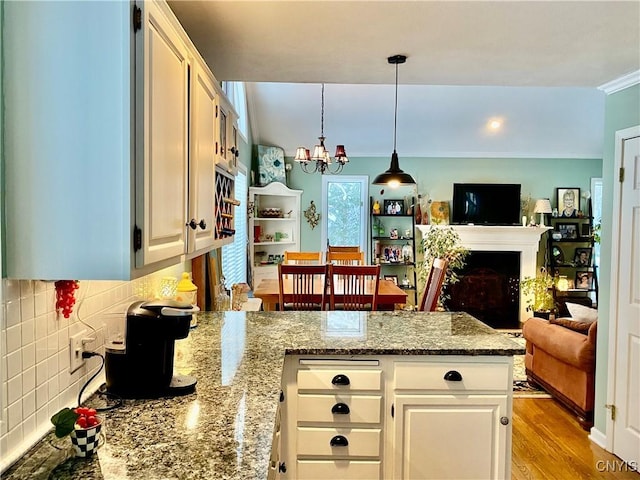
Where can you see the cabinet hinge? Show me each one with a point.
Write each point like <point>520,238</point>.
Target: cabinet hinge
<point>612,409</point>
<point>137,18</point>
<point>393,410</point>
<point>281,396</point>
<point>621,175</point>
<point>137,238</point>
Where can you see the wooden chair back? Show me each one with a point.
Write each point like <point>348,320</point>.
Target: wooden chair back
<point>350,248</point>
<point>354,287</point>
<point>307,287</point>
<point>345,258</point>
<point>303,258</point>
<point>433,286</point>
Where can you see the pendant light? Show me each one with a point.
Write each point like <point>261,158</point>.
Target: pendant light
<point>395,177</point>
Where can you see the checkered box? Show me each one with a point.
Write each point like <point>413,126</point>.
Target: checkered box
<point>85,440</point>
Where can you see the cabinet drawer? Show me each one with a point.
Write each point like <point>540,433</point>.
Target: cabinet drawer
<point>335,379</point>
<point>430,376</point>
<point>338,469</point>
<point>321,408</point>
<point>350,442</point>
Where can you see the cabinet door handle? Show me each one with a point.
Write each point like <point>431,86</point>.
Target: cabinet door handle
<point>453,376</point>
<point>203,224</point>
<point>193,224</point>
<point>339,441</point>
<point>341,379</point>
<point>340,409</point>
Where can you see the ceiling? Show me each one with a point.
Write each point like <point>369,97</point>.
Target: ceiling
<point>534,65</point>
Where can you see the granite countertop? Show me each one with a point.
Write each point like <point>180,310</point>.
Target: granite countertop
<point>224,430</point>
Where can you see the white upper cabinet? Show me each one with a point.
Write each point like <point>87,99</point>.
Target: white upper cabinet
<point>227,151</point>
<point>162,124</point>
<point>109,141</point>
<point>204,102</point>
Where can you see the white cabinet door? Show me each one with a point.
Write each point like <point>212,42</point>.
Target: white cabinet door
<point>164,124</point>
<point>450,437</point>
<point>202,162</point>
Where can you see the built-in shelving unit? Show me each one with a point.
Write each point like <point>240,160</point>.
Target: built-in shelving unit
<point>274,227</point>
<point>393,243</point>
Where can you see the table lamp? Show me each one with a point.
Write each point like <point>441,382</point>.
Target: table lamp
<point>543,205</point>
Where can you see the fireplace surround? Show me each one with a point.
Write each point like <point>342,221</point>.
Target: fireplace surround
<point>524,240</point>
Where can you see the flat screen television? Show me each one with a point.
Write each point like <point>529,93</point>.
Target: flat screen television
<point>486,204</point>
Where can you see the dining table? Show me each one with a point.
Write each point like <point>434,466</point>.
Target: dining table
<point>389,294</point>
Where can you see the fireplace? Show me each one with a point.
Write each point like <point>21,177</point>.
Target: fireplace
<point>522,241</point>
<point>489,288</point>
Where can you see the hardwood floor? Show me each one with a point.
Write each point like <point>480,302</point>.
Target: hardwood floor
<point>549,444</point>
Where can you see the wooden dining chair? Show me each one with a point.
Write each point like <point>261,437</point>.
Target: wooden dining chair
<point>354,287</point>
<point>345,258</point>
<point>433,286</point>
<point>302,258</point>
<point>342,248</point>
<point>307,287</point>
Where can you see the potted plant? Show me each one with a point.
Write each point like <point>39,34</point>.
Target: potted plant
<point>84,426</point>
<point>442,242</point>
<point>538,294</point>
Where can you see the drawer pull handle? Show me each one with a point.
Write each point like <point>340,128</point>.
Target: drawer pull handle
<point>340,379</point>
<point>339,441</point>
<point>453,376</point>
<point>340,409</point>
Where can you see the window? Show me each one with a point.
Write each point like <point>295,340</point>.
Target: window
<point>344,211</point>
<point>234,255</point>
<point>237,95</point>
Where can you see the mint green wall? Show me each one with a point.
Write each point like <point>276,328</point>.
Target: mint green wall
<point>622,110</point>
<point>435,176</point>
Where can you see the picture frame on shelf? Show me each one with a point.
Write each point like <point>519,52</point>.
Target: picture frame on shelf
<point>393,207</point>
<point>568,231</point>
<point>582,257</point>
<point>393,278</point>
<point>584,280</point>
<point>585,230</point>
<point>392,254</point>
<point>568,201</point>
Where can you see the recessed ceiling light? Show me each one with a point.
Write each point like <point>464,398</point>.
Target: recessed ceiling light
<point>495,124</point>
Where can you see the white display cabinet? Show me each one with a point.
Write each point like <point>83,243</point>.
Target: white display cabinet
<point>274,227</point>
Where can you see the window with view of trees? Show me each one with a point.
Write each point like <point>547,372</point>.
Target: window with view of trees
<point>344,218</point>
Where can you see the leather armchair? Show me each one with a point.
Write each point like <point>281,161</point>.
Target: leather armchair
<point>562,360</point>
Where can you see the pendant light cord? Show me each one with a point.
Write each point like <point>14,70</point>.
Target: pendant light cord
<point>322,114</point>
<point>395,113</point>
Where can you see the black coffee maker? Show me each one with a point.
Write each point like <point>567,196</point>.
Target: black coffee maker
<point>139,354</point>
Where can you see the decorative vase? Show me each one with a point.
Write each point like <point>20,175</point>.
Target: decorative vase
<point>86,440</point>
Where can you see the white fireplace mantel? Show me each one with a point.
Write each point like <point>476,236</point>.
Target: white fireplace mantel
<point>501,239</point>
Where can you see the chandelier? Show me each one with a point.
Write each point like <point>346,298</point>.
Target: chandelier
<point>321,161</point>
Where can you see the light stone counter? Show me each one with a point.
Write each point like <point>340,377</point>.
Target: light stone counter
<point>224,429</point>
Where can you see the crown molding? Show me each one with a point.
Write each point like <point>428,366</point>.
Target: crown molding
<point>621,83</point>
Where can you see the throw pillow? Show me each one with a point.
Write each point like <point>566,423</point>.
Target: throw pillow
<point>581,313</point>
<point>577,326</point>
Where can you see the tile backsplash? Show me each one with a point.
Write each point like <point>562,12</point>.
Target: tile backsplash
<point>34,351</point>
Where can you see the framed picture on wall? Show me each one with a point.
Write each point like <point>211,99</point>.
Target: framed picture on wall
<point>568,201</point>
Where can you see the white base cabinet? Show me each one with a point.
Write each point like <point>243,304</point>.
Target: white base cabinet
<point>397,417</point>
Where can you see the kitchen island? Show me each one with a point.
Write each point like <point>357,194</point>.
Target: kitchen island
<point>225,429</point>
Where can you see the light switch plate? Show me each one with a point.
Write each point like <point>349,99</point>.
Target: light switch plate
<point>75,351</point>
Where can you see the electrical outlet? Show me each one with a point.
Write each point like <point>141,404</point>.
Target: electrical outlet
<point>75,351</point>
